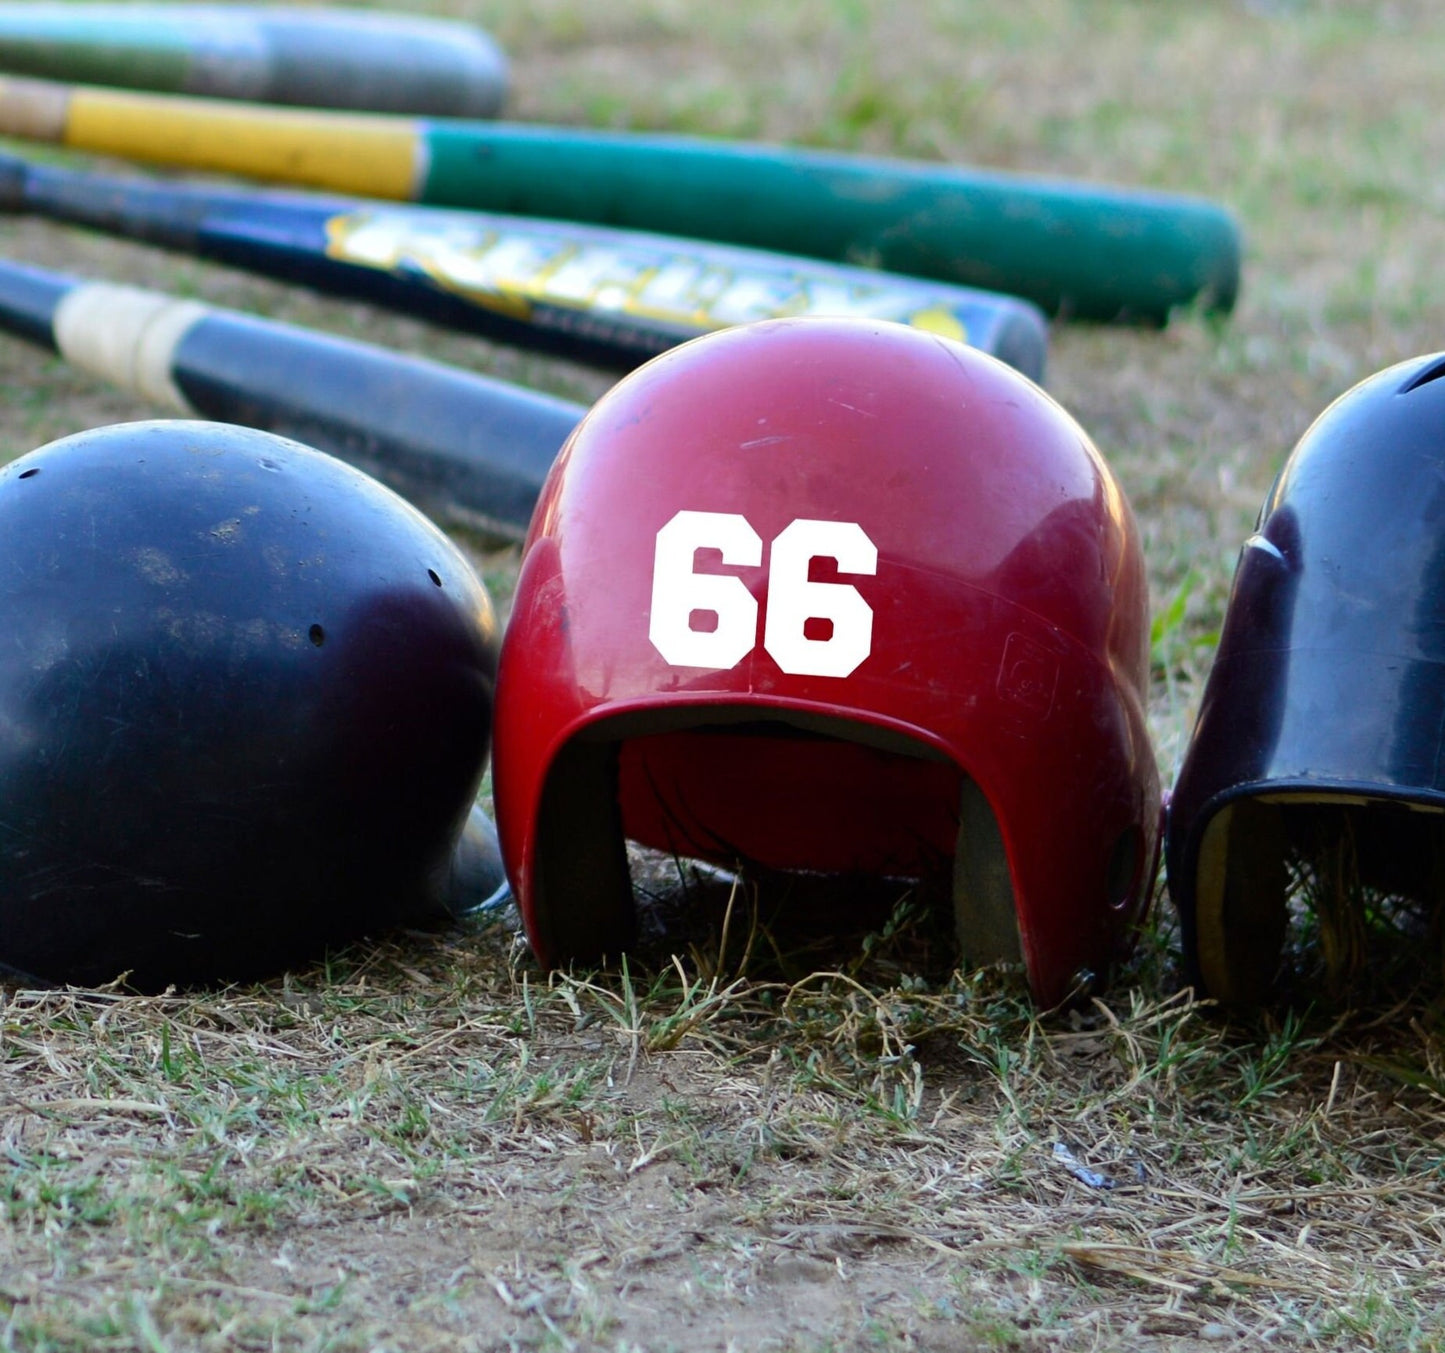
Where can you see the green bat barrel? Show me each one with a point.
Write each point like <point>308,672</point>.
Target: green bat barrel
<point>319,58</point>
<point>1079,250</point>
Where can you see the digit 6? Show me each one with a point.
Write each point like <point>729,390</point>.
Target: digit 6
<point>793,600</point>
<point>681,596</point>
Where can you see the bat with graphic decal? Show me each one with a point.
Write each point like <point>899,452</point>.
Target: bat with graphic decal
<point>322,58</point>
<point>613,298</point>
<point>467,449</point>
<point>1088,251</point>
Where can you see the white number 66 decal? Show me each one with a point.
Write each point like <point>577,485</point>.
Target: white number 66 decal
<point>679,594</point>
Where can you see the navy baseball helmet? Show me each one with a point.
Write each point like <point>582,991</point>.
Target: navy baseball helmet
<point>1322,727</point>
<point>245,705</point>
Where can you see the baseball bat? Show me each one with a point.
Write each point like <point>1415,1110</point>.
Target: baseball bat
<point>387,63</point>
<point>1081,250</point>
<point>468,450</point>
<point>614,298</point>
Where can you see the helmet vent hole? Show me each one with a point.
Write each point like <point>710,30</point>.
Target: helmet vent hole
<point>434,576</point>
<point>1124,863</point>
<point>1432,373</point>
<point>30,473</point>
<point>702,622</point>
<point>317,635</point>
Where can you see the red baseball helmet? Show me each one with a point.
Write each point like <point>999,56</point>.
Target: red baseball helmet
<point>833,595</point>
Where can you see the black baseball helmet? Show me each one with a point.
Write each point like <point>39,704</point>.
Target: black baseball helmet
<point>245,705</point>
<point>1323,720</point>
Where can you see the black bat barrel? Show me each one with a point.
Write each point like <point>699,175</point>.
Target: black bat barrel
<point>285,236</point>
<point>463,447</point>
<point>607,297</point>
<point>441,437</point>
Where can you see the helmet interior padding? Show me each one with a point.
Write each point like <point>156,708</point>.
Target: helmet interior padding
<point>793,791</point>
<point>1344,846</point>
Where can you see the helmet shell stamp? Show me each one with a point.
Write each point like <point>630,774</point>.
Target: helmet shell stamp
<point>833,595</point>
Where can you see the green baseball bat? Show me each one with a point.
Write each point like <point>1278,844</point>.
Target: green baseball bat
<point>1080,250</point>
<point>322,58</point>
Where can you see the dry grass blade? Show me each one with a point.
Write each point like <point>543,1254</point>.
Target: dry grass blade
<point>1177,1270</point>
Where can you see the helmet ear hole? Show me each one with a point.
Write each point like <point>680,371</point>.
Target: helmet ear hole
<point>584,908</point>
<point>985,913</point>
<point>1240,914</point>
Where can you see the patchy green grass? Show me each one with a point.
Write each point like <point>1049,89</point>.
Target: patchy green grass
<point>427,1136</point>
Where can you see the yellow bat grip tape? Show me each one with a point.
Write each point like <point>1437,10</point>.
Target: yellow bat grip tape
<point>354,154</point>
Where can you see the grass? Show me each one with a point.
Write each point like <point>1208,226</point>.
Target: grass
<point>173,1150</point>
<point>749,1138</point>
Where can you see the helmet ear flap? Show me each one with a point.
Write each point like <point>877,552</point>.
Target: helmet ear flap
<point>583,908</point>
<point>1241,882</point>
<point>985,910</point>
